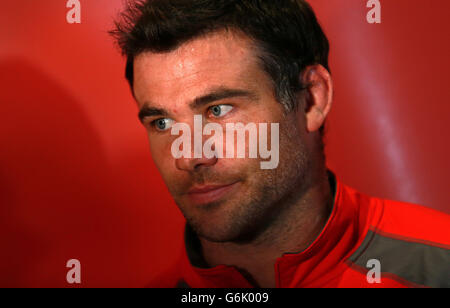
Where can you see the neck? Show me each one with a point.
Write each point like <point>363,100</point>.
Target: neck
<point>294,229</point>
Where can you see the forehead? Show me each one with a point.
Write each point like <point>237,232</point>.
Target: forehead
<point>223,59</point>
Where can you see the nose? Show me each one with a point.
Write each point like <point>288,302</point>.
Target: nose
<point>192,164</point>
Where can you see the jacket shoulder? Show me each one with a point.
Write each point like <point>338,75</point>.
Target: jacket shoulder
<point>415,222</point>
<point>410,242</point>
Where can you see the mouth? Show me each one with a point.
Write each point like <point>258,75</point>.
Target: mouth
<point>209,193</point>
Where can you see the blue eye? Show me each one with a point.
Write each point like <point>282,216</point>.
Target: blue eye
<point>220,110</point>
<point>163,124</point>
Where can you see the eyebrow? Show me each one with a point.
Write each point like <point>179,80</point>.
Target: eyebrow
<point>215,95</point>
<point>220,94</point>
<point>147,111</point>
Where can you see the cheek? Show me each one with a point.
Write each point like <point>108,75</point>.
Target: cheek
<point>237,165</point>
<point>160,149</point>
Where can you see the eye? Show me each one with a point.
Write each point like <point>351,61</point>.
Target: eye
<point>163,124</point>
<point>220,110</point>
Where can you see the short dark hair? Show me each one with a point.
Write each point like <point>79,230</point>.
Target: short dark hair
<point>285,32</point>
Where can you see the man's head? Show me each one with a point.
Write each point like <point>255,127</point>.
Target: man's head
<point>248,61</point>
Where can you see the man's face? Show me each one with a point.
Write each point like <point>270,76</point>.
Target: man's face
<point>219,77</point>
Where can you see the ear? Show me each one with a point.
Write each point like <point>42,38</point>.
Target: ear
<point>319,97</point>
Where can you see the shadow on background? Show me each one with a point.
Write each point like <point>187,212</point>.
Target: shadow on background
<point>49,165</point>
<point>59,198</point>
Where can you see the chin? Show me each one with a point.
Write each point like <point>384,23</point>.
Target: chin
<point>234,219</point>
<point>215,228</point>
<point>215,236</point>
<point>225,226</point>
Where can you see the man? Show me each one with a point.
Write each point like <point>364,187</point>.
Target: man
<point>294,225</point>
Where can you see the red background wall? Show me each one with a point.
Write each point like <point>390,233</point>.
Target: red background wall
<point>76,176</point>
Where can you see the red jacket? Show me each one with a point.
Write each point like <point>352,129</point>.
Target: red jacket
<point>411,243</point>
